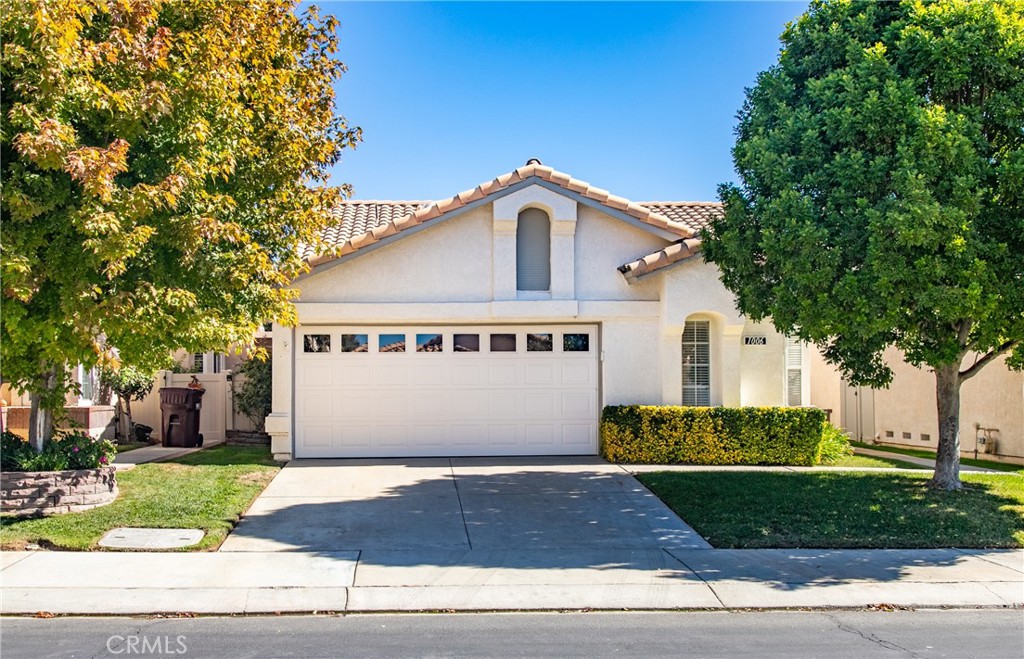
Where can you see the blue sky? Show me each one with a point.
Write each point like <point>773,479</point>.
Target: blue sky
<point>636,98</point>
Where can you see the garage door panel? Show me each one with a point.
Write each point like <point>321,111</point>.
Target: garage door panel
<point>540,434</point>
<point>468,435</point>
<point>577,434</point>
<point>469,401</point>
<point>577,405</point>
<point>389,374</point>
<point>577,373</point>
<point>539,373</point>
<point>352,436</point>
<point>502,405</point>
<point>353,375</point>
<point>316,375</point>
<point>388,436</point>
<point>353,406</point>
<point>430,405</point>
<point>317,406</point>
<point>502,374</point>
<point>505,434</point>
<point>539,405</point>
<point>389,406</point>
<point>467,374</point>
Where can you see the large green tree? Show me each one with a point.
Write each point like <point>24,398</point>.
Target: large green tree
<point>162,163</point>
<point>881,194</point>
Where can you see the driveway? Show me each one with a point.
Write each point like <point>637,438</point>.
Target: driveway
<point>442,505</point>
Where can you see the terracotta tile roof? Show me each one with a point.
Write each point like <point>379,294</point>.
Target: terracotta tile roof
<point>674,253</point>
<point>363,223</point>
<point>693,214</point>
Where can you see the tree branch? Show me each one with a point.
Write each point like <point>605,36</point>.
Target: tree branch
<point>980,363</point>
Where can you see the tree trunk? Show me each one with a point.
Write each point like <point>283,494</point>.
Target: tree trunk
<point>40,417</point>
<point>124,419</point>
<point>947,398</point>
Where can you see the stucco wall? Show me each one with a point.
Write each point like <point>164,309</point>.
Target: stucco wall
<point>446,262</point>
<point>826,385</point>
<point>602,241</point>
<point>763,367</point>
<point>632,362</point>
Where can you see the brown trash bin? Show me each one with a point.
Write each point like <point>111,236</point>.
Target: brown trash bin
<point>179,411</point>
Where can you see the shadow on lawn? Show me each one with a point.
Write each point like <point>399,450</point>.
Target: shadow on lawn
<point>524,517</point>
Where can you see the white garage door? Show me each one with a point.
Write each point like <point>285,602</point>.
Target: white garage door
<point>446,391</point>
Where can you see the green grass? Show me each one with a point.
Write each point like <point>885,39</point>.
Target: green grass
<point>930,455</point>
<point>844,509</point>
<point>871,461</point>
<point>206,490</point>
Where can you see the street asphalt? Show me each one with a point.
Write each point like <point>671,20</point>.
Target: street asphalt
<point>979,634</point>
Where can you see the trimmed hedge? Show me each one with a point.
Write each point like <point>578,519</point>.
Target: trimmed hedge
<point>651,434</point>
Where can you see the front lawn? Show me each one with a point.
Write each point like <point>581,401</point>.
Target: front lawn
<point>207,490</point>
<point>844,509</point>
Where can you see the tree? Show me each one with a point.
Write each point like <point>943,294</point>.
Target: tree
<point>164,162</point>
<point>881,194</point>
<point>129,383</point>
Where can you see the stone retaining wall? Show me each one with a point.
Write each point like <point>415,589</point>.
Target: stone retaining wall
<point>55,492</point>
<point>247,438</point>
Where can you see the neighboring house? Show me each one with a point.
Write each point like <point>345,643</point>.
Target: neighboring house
<point>83,410</point>
<point>501,320</point>
<point>904,414</point>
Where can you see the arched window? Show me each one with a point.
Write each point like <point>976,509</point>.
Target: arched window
<point>533,251</point>
<point>697,363</point>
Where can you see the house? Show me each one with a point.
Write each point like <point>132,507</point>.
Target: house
<point>501,320</point>
<point>904,414</point>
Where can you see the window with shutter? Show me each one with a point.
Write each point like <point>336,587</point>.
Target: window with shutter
<point>533,251</point>
<point>794,372</point>
<point>697,362</point>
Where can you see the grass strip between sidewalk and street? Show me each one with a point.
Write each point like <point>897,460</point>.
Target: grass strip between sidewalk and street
<point>844,509</point>
<point>208,489</point>
<point>930,455</point>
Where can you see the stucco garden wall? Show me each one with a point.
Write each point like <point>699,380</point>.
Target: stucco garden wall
<point>993,399</point>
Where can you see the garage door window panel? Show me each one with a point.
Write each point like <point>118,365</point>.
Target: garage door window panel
<point>391,343</point>
<point>539,343</point>
<point>429,342</point>
<point>316,343</point>
<point>466,342</point>
<point>355,343</point>
<point>503,342</point>
<point>575,343</point>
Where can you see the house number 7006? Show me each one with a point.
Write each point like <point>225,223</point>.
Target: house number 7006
<point>755,340</point>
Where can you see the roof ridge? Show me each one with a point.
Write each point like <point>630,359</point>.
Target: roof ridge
<point>387,201</point>
<point>533,169</point>
<point>681,203</point>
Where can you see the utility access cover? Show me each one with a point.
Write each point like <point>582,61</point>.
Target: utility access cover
<point>151,538</point>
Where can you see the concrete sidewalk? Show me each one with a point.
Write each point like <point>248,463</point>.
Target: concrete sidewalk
<point>467,580</point>
<point>156,453</point>
<point>924,462</point>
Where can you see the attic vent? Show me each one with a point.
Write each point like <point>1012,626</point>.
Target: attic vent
<point>534,161</point>
<point>533,251</point>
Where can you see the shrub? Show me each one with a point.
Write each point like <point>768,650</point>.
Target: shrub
<point>835,445</point>
<point>253,397</point>
<point>648,434</point>
<point>67,450</point>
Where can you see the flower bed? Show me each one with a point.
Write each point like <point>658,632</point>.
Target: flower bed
<point>54,492</point>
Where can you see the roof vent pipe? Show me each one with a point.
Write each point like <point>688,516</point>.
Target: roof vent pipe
<point>534,161</point>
